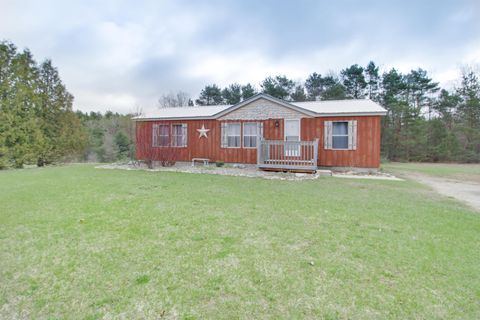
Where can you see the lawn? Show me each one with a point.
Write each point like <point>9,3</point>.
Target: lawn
<point>84,243</point>
<point>445,170</point>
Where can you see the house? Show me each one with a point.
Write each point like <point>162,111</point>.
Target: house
<point>266,131</point>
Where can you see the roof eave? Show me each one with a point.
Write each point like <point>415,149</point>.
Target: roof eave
<point>351,114</point>
<point>174,118</point>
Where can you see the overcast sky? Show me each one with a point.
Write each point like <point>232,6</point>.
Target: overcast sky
<point>119,55</point>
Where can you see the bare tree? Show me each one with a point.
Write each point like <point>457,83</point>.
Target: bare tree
<point>174,100</point>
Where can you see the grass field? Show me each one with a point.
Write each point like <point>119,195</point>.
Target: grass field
<point>84,243</point>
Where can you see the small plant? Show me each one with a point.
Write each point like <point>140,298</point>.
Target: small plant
<point>219,163</point>
<point>142,279</point>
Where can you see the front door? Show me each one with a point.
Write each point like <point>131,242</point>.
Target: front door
<point>292,133</point>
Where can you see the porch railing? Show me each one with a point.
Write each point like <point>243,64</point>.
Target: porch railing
<point>293,155</point>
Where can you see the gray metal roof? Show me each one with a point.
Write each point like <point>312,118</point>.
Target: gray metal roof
<point>310,108</point>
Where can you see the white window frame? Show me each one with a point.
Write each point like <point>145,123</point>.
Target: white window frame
<point>184,135</point>
<point>226,135</point>
<point>156,136</point>
<point>257,126</point>
<point>341,135</point>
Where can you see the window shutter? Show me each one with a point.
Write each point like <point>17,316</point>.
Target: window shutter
<point>184,134</point>
<point>224,142</point>
<point>354,132</point>
<point>327,136</point>
<point>154,135</point>
<point>352,135</point>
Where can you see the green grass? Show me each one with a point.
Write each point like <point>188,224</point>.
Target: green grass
<point>84,243</point>
<point>447,170</point>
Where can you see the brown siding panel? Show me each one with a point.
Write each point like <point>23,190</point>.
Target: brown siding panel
<point>367,154</point>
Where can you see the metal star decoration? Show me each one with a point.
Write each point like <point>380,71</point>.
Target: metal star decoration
<point>203,132</point>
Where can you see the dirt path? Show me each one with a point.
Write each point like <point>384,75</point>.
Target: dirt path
<point>465,191</point>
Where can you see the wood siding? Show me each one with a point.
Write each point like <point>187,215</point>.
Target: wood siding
<point>367,154</point>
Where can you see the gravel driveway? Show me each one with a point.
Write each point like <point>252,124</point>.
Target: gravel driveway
<point>465,191</point>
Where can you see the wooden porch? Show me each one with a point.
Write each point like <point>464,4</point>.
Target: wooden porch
<point>287,155</point>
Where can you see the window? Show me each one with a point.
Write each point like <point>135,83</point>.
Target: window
<point>161,135</point>
<point>340,135</point>
<point>179,135</point>
<point>233,135</point>
<point>250,132</point>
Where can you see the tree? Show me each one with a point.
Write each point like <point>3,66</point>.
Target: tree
<point>22,136</point>
<point>56,117</point>
<point>123,145</point>
<point>372,79</point>
<point>354,81</point>
<point>468,113</point>
<point>315,86</point>
<point>333,89</point>
<point>248,91</point>
<point>419,90</point>
<point>280,87</point>
<point>232,94</point>
<point>210,95</point>
<point>174,100</point>
<point>446,106</point>
<point>299,94</point>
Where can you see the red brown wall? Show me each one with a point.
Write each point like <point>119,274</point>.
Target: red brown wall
<point>367,154</point>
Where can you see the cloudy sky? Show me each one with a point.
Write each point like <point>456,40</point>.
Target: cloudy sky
<point>120,55</point>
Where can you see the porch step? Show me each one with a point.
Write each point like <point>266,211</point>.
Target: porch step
<point>324,172</point>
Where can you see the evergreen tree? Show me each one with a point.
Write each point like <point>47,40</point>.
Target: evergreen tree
<point>299,94</point>
<point>372,79</point>
<point>232,94</point>
<point>123,145</point>
<point>210,95</point>
<point>280,87</point>
<point>314,86</point>
<point>469,116</point>
<point>248,91</point>
<point>354,81</point>
<point>35,110</point>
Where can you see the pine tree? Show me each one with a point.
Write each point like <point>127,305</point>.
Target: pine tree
<point>232,94</point>
<point>299,94</point>
<point>280,87</point>
<point>354,81</point>
<point>210,95</point>
<point>248,91</point>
